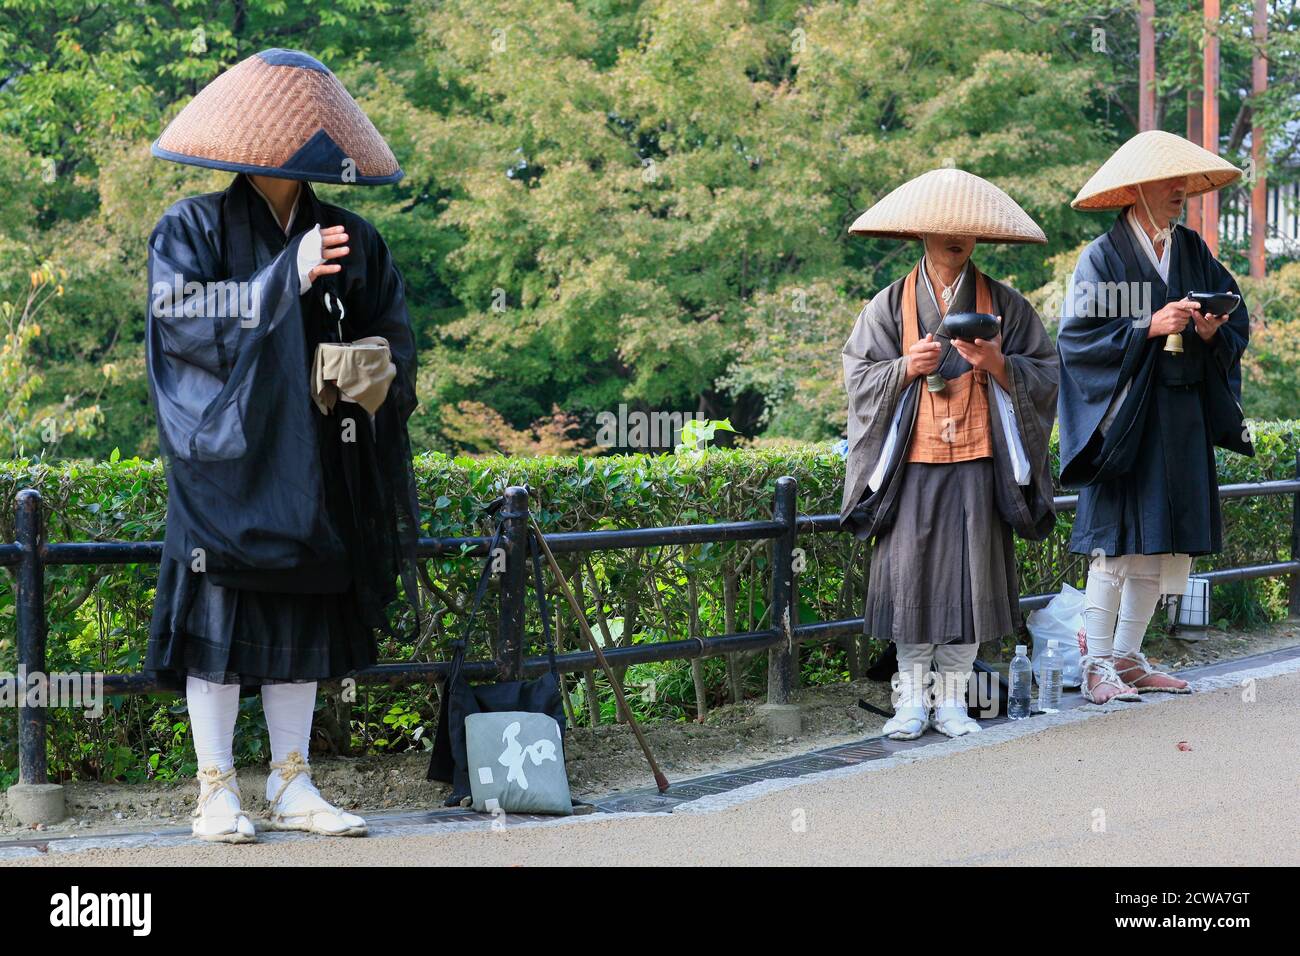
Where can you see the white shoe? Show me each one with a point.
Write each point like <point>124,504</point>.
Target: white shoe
<point>911,716</point>
<point>219,818</point>
<point>298,805</point>
<point>908,723</point>
<point>952,719</point>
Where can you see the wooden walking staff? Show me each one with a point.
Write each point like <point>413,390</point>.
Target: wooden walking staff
<point>660,780</point>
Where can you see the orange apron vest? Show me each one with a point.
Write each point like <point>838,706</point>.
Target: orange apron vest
<point>951,425</point>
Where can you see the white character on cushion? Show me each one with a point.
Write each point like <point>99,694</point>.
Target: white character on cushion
<point>513,756</point>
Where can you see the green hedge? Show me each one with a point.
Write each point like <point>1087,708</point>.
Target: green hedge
<point>99,617</point>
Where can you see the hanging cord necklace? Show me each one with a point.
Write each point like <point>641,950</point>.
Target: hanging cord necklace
<point>949,290</point>
<point>1162,235</point>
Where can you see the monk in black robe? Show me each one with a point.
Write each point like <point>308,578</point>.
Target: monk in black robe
<point>1150,385</point>
<point>282,369</point>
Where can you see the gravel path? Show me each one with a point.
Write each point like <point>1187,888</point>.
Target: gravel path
<point>1113,785</point>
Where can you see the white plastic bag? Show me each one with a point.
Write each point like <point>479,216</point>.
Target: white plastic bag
<point>1060,621</point>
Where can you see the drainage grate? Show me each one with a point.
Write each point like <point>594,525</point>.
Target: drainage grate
<point>638,803</point>
<point>856,753</point>
<point>814,764</point>
<point>695,790</point>
<point>833,758</point>
<point>732,781</point>
<point>776,771</point>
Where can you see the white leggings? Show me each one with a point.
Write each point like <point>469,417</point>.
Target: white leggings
<point>214,707</point>
<point>1121,597</point>
<point>953,662</point>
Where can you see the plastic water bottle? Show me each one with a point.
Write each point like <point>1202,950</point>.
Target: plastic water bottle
<point>1021,680</point>
<point>1050,667</point>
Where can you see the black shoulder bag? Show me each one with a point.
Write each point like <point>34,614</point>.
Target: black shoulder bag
<point>449,762</point>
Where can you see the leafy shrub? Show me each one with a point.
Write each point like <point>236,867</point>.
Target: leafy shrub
<point>99,616</point>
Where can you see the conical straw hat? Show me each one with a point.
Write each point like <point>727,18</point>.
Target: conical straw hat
<point>1148,157</point>
<point>280,113</point>
<point>948,202</point>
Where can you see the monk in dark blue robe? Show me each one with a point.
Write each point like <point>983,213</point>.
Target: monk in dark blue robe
<point>1150,386</point>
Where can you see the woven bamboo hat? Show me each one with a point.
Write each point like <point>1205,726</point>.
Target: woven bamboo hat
<point>280,113</point>
<point>948,202</point>
<point>1149,157</point>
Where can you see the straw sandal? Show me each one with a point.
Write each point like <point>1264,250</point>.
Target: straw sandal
<point>209,823</point>
<point>1104,668</point>
<point>304,809</point>
<point>1149,680</point>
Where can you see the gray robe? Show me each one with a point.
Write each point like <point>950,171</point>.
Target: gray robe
<point>943,567</point>
<point>874,369</point>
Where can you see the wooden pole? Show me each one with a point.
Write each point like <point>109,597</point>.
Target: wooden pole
<point>1146,65</point>
<point>1258,152</point>
<point>1194,131</point>
<point>1210,119</point>
<point>585,629</point>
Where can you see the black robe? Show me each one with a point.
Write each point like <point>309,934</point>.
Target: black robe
<point>287,529</point>
<point>1148,484</point>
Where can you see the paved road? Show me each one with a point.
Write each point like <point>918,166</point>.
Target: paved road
<point>1114,787</point>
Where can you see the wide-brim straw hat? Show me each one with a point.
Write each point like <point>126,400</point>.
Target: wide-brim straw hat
<point>949,202</point>
<point>280,113</point>
<point>1149,157</point>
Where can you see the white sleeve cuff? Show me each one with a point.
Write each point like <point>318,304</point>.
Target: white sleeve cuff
<point>309,257</point>
<point>1016,448</point>
<point>887,452</point>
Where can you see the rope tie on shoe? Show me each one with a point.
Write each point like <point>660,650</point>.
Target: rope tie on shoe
<point>291,768</point>
<point>1104,667</point>
<point>1137,670</point>
<point>1141,664</point>
<point>304,809</point>
<point>211,782</point>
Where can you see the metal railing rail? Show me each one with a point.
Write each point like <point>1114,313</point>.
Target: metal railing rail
<point>31,554</point>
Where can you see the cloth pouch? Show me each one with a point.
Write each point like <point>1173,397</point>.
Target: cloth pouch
<point>359,372</point>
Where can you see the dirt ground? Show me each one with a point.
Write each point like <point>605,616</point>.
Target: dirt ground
<point>600,761</point>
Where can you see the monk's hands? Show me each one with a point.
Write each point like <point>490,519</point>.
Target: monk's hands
<point>333,245</point>
<point>1207,325</point>
<point>923,358</point>
<point>1172,318</point>
<point>985,355</point>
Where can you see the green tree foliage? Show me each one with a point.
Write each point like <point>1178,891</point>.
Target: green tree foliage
<point>606,201</point>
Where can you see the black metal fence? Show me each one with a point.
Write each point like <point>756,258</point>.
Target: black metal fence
<point>31,554</point>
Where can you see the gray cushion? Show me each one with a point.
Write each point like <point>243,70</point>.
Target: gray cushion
<point>516,763</point>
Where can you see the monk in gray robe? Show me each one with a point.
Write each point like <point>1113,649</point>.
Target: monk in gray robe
<point>948,442</point>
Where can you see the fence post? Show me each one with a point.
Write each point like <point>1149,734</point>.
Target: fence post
<point>33,800</point>
<point>1293,589</point>
<point>510,623</point>
<point>783,718</point>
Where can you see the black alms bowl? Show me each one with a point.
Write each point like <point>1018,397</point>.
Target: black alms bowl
<point>969,326</point>
<point>1215,303</point>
